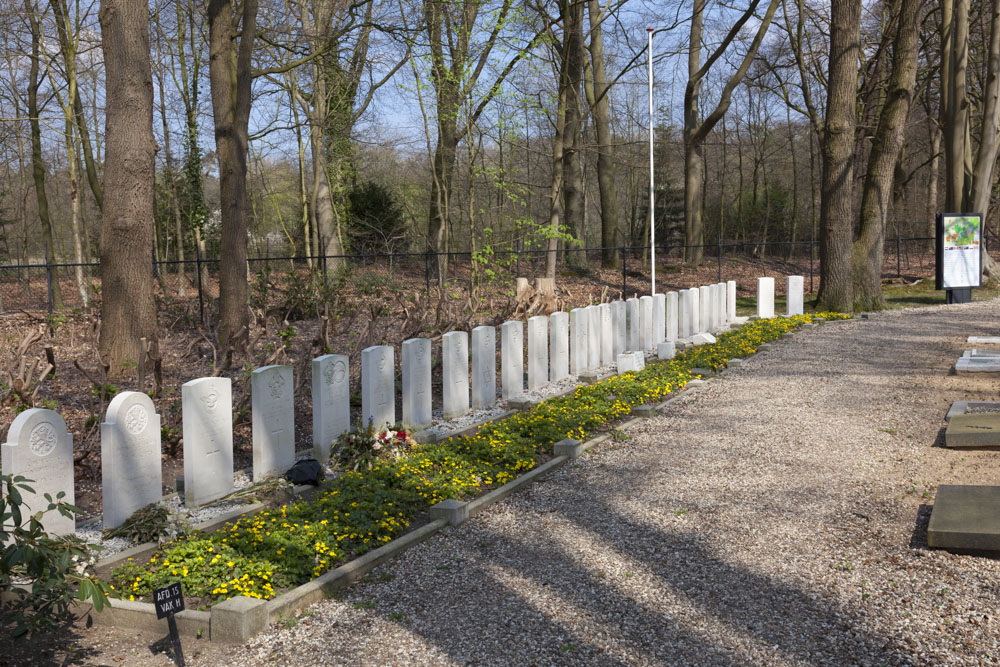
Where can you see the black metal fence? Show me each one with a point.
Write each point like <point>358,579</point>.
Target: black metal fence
<point>38,286</point>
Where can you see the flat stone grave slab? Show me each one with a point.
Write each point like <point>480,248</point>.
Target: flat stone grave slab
<point>977,365</point>
<point>972,408</point>
<point>975,430</point>
<point>965,518</point>
<point>985,340</point>
<point>982,354</point>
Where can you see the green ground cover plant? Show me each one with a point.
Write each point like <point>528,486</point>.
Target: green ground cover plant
<point>261,554</point>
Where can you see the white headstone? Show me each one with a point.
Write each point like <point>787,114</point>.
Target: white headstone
<point>765,297</point>
<point>538,351</point>
<point>207,408</point>
<point>272,401</point>
<point>331,401</point>
<point>671,317</point>
<point>640,360</point>
<point>697,325</point>
<point>720,304</point>
<point>645,322</point>
<point>685,323</point>
<point>731,300</point>
<point>559,345</point>
<point>416,353</point>
<point>579,358</point>
<point>607,336</point>
<point>40,448</point>
<point>593,336</point>
<point>666,350</point>
<point>796,298</point>
<point>455,373</point>
<point>633,324</point>
<point>483,345</point>
<point>131,463</point>
<point>378,386</point>
<point>659,318</point>
<point>705,297</point>
<point>618,328</point>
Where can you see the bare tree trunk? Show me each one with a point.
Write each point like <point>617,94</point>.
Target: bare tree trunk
<point>600,103</point>
<point>37,165</point>
<point>230,77</point>
<point>932,186</point>
<point>836,227</point>
<point>795,183</point>
<point>128,311</point>
<point>572,168</point>
<point>876,198</point>
<point>175,206</point>
<point>555,191</point>
<point>956,111</point>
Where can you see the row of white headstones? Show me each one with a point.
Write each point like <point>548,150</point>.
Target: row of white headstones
<point>40,447</point>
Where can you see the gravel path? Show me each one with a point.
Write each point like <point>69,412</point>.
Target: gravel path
<point>775,516</point>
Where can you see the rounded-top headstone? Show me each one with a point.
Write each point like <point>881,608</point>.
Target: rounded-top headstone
<point>40,448</point>
<point>131,463</point>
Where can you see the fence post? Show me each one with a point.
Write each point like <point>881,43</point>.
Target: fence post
<point>517,254</point>
<point>201,300</point>
<point>48,289</point>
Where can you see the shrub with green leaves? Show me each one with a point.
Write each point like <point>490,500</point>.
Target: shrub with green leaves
<point>42,574</point>
<point>371,504</point>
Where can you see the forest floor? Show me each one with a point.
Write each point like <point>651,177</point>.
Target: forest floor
<point>777,515</point>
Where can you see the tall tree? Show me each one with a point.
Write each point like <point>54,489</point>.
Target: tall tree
<point>231,39</point>
<point>598,96</point>
<point>836,216</point>
<point>128,311</point>
<point>696,128</point>
<point>887,144</point>
<point>37,164</point>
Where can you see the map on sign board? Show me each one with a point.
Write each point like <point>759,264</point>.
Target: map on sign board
<point>959,250</point>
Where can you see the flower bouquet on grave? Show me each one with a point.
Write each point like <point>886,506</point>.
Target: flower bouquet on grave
<point>365,446</point>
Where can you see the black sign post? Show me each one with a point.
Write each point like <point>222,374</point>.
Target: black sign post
<point>169,600</point>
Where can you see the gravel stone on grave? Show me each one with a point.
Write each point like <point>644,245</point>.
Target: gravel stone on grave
<point>40,448</point>
<point>331,399</point>
<point>207,424</point>
<point>483,345</point>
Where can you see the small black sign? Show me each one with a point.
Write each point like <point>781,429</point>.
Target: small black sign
<point>168,600</point>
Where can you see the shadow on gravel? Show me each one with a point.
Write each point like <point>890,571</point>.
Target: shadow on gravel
<point>918,539</point>
<point>939,438</point>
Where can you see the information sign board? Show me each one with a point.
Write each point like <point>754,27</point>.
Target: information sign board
<point>959,250</point>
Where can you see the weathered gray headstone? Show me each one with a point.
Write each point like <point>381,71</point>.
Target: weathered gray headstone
<point>633,325</point>
<point>795,297</point>
<point>705,302</point>
<point>593,336</point>
<point>538,351</point>
<point>685,324</point>
<point>645,322</point>
<point>672,317</point>
<point>607,336</point>
<point>659,318</point>
<point>331,401</point>
<point>512,359</point>
<point>272,400</point>
<point>378,386</point>
<point>416,353</point>
<point>559,345</point>
<point>455,373</point>
<point>207,408</point>
<point>579,323</point>
<point>618,327</point>
<point>697,324</point>
<point>131,463</point>
<point>483,345</point>
<point>40,448</point>
<point>765,297</point>
<point>731,300</point>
